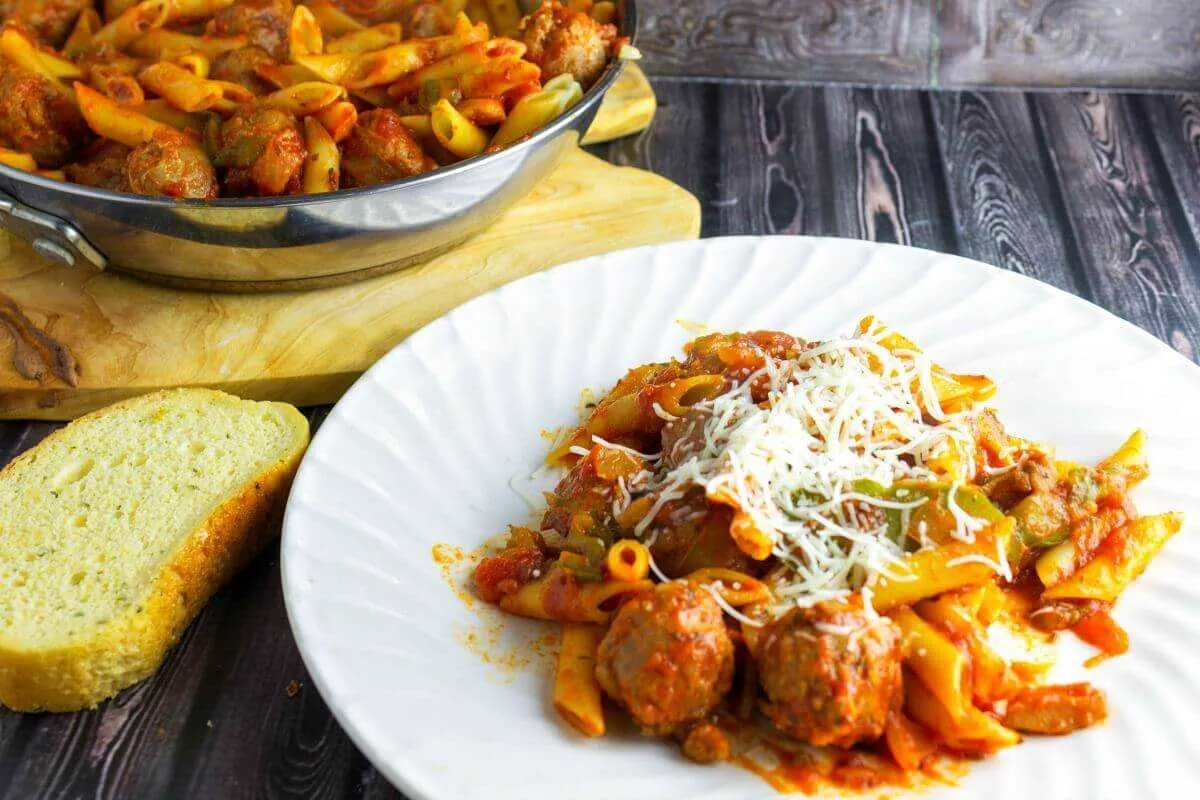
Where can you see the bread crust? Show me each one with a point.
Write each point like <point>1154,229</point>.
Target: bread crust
<point>130,647</point>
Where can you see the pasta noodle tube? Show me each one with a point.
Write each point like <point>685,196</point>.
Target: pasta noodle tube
<point>975,732</point>
<point>338,119</point>
<point>907,743</point>
<point>483,111</point>
<point>677,396</point>
<point>123,125</point>
<point>162,111</point>
<point>304,34</point>
<point>283,75</point>
<point>179,87</point>
<point>80,40</point>
<point>559,597</point>
<point>196,63</point>
<point>498,76</point>
<point>926,573</point>
<point>627,561</point>
<point>122,89</point>
<point>334,21</point>
<point>304,98</point>
<point>197,9</point>
<point>385,66</point>
<point>534,111</point>
<point>506,16</point>
<point>935,661</point>
<point>17,160</point>
<point>22,51</point>
<point>133,23</point>
<point>161,43</point>
<point>367,39</point>
<point>1120,559</point>
<point>468,59</point>
<point>576,692</point>
<point>736,588</point>
<point>322,168</point>
<point>332,67</point>
<point>455,132</point>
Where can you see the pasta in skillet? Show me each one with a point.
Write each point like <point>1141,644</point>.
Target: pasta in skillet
<point>248,98</point>
<point>830,549</point>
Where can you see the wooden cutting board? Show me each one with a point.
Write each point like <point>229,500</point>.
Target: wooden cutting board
<point>78,340</point>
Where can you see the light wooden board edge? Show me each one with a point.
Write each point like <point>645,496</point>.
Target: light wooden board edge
<point>131,338</point>
<point>628,108</point>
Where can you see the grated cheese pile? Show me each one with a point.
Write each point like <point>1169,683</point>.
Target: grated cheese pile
<point>847,410</point>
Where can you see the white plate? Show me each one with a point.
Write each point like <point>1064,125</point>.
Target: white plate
<point>426,447</point>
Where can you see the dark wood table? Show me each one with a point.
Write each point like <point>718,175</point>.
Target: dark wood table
<point>1096,193</point>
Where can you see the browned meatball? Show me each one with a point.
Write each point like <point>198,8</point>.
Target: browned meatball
<point>172,166</point>
<point>264,150</point>
<point>102,165</point>
<point>38,117</point>
<point>667,657</point>
<point>238,66</point>
<point>50,20</point>
<point>381,149</point>
<point>562,41</point>
<point>830,674</point>
<point>264,23</point>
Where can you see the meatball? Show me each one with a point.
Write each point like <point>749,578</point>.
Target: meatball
<point>239,66</point>
<point>171,166</point>
<point>667,657</point>
<point>264,23</point>
<point>50,20</point>
<point>38,117</point>
<point>102,166</point>
<point>563,41</point>
<point>381,149</point>
<point>831,675</point>
<point>264,150</point>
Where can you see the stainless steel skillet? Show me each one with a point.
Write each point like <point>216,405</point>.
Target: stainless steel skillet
<point>285,243</point>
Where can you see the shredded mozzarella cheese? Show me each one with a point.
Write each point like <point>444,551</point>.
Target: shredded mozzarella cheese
<point>848,411</point>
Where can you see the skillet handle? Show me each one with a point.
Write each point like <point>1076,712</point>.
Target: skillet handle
<point>49,236</point>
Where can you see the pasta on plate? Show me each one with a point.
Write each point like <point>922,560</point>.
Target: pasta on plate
<point>828,561</point>
<point>255,98</point>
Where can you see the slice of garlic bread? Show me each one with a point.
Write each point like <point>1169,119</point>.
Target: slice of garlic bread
<point>115,530</point>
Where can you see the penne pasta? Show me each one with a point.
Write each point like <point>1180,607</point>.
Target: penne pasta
<point>123,125</point>
<point>304,34</point>
<point>935,661</point>
<point>19,49</point>
<point>559,597</point>
<point>455,132</point>
<point>338,119</point>
<point>17,160</point>
<point>576,691</point>
<point>322,167</point>
<point>301,99</point>
<point>376,37</point>
<point>333,20</point>
<point>926,573</point>
<point>627,561</point>
<point>122,89</point>
<point>535,110</point>
<point>1121,558</point>
<point>80,39</point>
<point>161,43</point>
<point>505,16</point>
<point>133,23</point>
<point>161,111</point>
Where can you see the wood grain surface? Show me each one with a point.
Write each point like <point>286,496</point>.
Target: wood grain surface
<point>1096,193</point>
<point>1134,44</point>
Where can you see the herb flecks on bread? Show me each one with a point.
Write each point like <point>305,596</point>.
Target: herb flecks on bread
<point>115,530</point>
